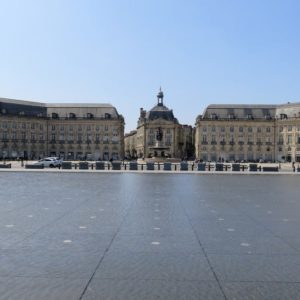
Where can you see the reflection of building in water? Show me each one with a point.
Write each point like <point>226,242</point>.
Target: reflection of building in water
<point>73,131</point>
<point>248,132</point>
<point>159,134</point>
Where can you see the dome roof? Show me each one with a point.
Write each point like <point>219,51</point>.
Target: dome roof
<point>160,111</point>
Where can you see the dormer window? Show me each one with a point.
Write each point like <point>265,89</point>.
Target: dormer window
<point>249,117</point>
<point>90,116</point>
<point>22,113</point>
<point>231,116</point>
<point>107,116</point>
<point>213,116</point>
<point>72,116</point>
<point>268,117</point>
<point>3,111</point>
<point>283,116</point>
<point>55,116</point>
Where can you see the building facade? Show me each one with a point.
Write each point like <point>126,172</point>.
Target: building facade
<point>248,133</point>
<point>129,145</point>
<point>159,134</point>
<point>73,131</point>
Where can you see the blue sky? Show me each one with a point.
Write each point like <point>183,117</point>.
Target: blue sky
<point>121,52</point>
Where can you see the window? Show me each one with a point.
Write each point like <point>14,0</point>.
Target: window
<point>106,127</point>
<point>168,130</point>
<point>204,129</point>
<point>62,127</point>
<point>14,136</point>
<point>23,135</point>
<point>289,140</point>
<point>23,126</point>
<point>241,129</point>
<point>32,126</point>
<point>290,128</point>
<point>53,127</point>
<point>33,136</point>
<point>231,129</point>
<point>4,125</point>
<point>268,129</point>
<point>258,129</point>
<point>204,138</point>
<point>168,140</point>
<point>88,128</point>
<point>222,129</point>
<point>14,125</point>
<point>249,129</point>
<point>213,129</point>
<point>70,137</point>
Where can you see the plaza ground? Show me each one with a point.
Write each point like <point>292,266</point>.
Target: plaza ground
<point>148,236</point>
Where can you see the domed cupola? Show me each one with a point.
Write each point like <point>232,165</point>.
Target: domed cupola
<point>160,111</point>
<point>160,98</point>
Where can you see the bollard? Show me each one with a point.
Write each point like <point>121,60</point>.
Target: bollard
<point>124,167</point>
<point>175,167</point>
<point>108,166</point>
<point>142,167</point>
<point>158,167</point>
<point>92,166</point>
<point>75,166</point>
<point>208,167</point>
<point>192,167</point>
<point>243,168</point>
<point>226,167</point>
<point>58,167</point>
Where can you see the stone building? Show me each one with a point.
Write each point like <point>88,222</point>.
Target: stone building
<point>72,131</point>
<point>159,134</point>
<point>248,133</point>
<point>288,132</point>
<point>129,145</point>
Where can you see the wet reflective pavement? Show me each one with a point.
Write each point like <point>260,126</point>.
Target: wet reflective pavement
<point>149,236</point>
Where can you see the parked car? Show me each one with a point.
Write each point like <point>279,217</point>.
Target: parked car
<point>51,162</point>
